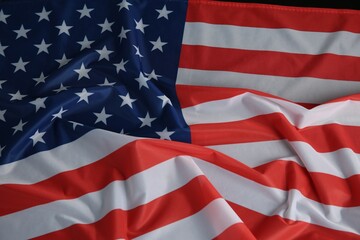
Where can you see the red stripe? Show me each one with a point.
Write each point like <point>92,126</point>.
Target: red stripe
<point>251,130</point>
<point>274,126</point>
<point>243,14</point>
<point>324,66</point>
<point>276,227</point>
<point>202,94</point>
<point>236,231</point>
<point>288,175</point>
<point>167,209</point>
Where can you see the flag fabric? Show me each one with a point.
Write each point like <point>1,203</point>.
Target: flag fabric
<point>174,119</point>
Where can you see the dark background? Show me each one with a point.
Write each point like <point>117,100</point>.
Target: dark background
<point>355,4</point>
<point>315,3</point>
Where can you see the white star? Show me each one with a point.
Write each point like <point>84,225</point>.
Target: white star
<point>153,75</point>
<point>124,4</point>
<point>16,96</point>
<point>3,17</point>
<point>38,137</point>
<point>122,34</point>
<point>165,100</point>
<point>1,149</point>
<point>43,15</point>
<point>40,79</point>
<point>102,116</point>
<point>85,12</point>
<point>20,65</point>
<point>84,95</point>
<point>75,124</point>
<point>2,113</point>
<point>106,83</point>
<point>104,53</point>
<point>63,61</point>
<point>43,47</point>
<point>2,48</point>
<point>146,121</point>
<point>120,66</point>
<point>19,127</point>
<point>163,12</point>
<point>59,114</point>
<point>63,28</point>
<point>158,44</point>
<point>85,43</point>
<point>165,134</point>
<point>83,72</point>
<point>61,88</point>
<point>39,103</point>
<point>137,51</point>
<point>142,80</point>
<point>1,83</point>
<point>22,32</point>
<point>140,25</point>
<point>127,100</point>
<point>106,26</point>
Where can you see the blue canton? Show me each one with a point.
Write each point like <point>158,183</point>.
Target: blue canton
<point>67,67</point>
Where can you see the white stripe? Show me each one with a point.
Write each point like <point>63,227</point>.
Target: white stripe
<point>341,163</point>
<point>287,204</point>
<point>258,153</point>
<point>271,39</point>
<point>301,89</point>
<point>66,157</point>
<point>248,105</point>
<point>208,223</point>
<point>135,191</point>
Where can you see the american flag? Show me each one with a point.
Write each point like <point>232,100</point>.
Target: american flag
<point>174,119</point>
